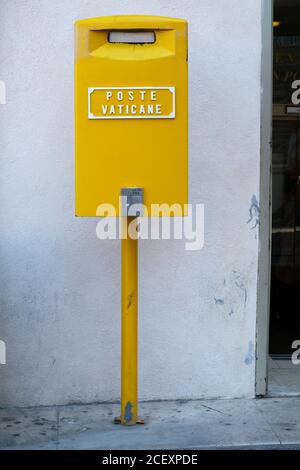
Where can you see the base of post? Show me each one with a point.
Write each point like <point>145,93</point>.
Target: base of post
<point>118,420</point>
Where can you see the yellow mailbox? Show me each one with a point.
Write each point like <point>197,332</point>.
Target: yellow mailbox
<point>131,140</point>
<point>131,111</point>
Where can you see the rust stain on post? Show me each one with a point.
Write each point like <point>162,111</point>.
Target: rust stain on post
<point>130,299</point>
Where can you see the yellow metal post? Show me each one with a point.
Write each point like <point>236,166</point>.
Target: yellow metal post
<point>129,373</point>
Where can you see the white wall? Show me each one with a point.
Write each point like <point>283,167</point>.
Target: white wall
<point>60,285</point>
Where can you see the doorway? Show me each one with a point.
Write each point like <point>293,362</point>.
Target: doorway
<point>284,329</point>
<point>285,269</point>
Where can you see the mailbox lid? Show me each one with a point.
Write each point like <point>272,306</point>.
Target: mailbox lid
<point>132,22</point>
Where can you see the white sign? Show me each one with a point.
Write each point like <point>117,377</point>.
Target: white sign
<point>131,103</point>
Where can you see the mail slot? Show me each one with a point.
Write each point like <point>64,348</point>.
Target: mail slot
<point>131,115</point>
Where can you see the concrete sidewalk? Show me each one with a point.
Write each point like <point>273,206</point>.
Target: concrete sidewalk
<point>207,424</point>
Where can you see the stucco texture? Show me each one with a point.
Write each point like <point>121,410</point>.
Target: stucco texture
<point>60,285</point>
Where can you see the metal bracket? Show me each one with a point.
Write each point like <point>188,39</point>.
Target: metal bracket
<point>118,420</point>
<point>132,201</point>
